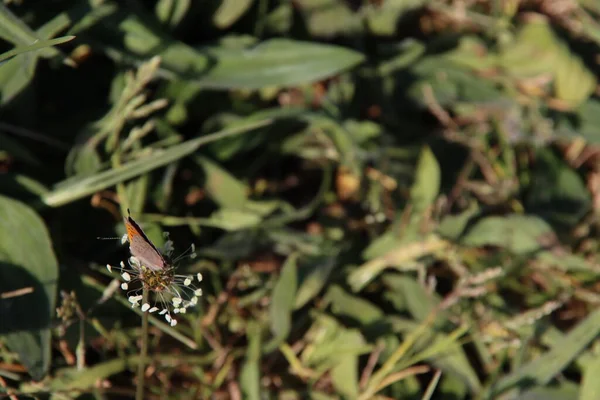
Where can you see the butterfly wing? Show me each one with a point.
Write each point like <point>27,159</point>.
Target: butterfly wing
<point>142,248</point>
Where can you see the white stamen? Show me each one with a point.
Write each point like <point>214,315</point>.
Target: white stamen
<point>182,310</point>
<point>124,286</point>
<point>153,309</point>
<point>198,292</point>
<point>145,307</point>
<point>134,300</point>
<point>187,281</point>
<point>176,311</point>
<point>173,322</point>
<point>122,265</point>
<point>108,267</point>
<point>126,276</point>
<point>135,262</point>
<point>163,312</point>
<point>124,239</point>
<point>199,276</point>
<point>177,301</point>
<point>168,317</point>
<point>194,301</point>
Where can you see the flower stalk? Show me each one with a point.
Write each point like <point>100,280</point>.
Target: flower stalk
<point>139,393</point>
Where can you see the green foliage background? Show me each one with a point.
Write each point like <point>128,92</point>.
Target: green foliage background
<point>389,198</point>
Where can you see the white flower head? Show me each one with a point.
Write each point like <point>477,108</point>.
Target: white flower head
<point>170,293</point>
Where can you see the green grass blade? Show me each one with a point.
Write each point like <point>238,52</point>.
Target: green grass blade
<point>36,46</point>
<point>86,186</point>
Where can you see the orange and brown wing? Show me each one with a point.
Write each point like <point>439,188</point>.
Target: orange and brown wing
<point>142,248</point>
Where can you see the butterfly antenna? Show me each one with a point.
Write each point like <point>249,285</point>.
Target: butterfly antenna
<point>190,252</point>
<point>109,238</point>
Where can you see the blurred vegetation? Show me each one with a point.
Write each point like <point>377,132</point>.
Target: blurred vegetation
<point>393,199</point>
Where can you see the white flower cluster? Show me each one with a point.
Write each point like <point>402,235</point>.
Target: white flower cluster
<point>173,294</point>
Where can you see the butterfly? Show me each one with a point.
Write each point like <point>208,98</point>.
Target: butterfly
<point>142,248</point>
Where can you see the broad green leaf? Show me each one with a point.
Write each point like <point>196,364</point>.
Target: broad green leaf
<point>330,18</point>
<point>407,291</point>
<point>76,189</point>
<point>532,52</point>
<point>230,11</point>
<point>348,305</point>
<point>314,395</point>
<point>82,160</point>
<point>72,379</point>
<point>15,75</point>
<point>27,261</point>
<point>537,50</point>
<point>282,301</point>
<point>383,19</point>
<point>223,187</point>
<point>136,192</point>
<point>274,62</point>
<point>344,376</point>
<point>574,82</point>
<point>313,278</point>
<point>330,343</point>
<point>543,368</point>
<point>234,219</point>
<point>171,12</point>
<point>427,182</point>
<point>383,244</point>
<point>520,234</point>
<point>250,372</point>
<point>402,257</point>
<point>565,390</point>
<point>557,192</point>
<point>277,62</point>
<point>590,387</point>
<point>452,226</point>
<point>15,31</point>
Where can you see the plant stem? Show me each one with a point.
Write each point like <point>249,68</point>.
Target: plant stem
<point>139,393</point>
<point>80,351</point>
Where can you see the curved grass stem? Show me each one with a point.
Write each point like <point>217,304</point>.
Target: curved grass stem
<point>139,392</point>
